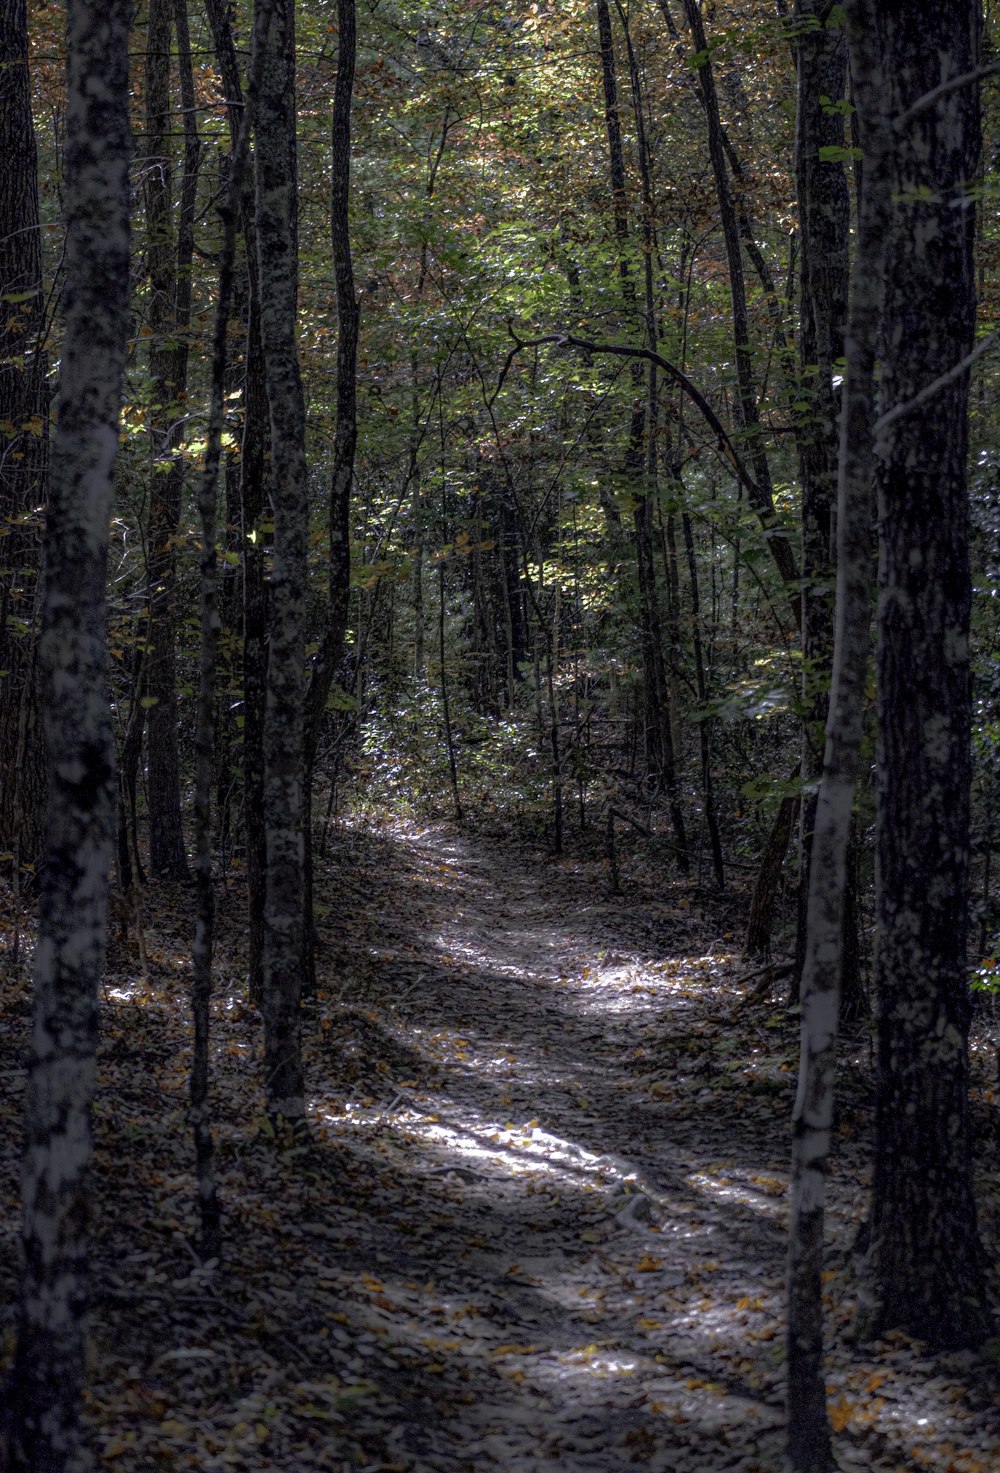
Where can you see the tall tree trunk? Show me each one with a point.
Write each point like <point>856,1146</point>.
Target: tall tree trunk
<point>49,1364</point>
<point>659,734</point>
<point>252,493</point>
<point>748,413</point>
<point>926,1259</point>
<point>824,225</point>
<point>345,440</point>
<point>202,955</point>
<point>254,479</point>
<point>284,726</point>
<point>760,920</point>
<point>24,412</point>
<point>209,1209</point>
<point>809,1448</point>
<point>167,856</point>
<point>704,720</point>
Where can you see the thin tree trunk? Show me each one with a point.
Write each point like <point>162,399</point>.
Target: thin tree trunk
<point>254,478</point>
<point>449,734</point>
<point>704,721</point>
<point>659,735</point>
<point>284,727</point>
<point>746,380</point>
<point>760,921</point>
<point>49,1363</point>
<point>345,440</point>
<point>24,413</point>
<point>824,226</point>
<point>167,856</point>
<point>252,497</point>
<point>809,1448</point>
<point>199,1116</point>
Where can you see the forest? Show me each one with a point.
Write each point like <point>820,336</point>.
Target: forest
<point>499,736</point>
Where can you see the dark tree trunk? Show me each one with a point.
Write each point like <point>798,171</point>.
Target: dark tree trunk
<point>24,412</point>
<point>202,950</point>
<point>809,1442</point>
<point>167,368</point>
<point>926,1259</point>
<point>824,225</point>
<point>49,1365</point>
<point>345,441</point>
<point>284,725</point>
<point>704,722</point>
<point>253,497</point>
<point>757,944</point>
<point>252,494</point>
<point>346,435</point>
<point>748,413</point>
<point>640,466</point>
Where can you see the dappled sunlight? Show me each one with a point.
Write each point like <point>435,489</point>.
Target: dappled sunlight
<point>540,1220</point>
<point>761,1193</point>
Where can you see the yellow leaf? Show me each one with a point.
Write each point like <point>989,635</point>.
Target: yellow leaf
<point>648,1264</point>
<point>841,1412</point>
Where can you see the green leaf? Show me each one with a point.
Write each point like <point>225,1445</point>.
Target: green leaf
<point>833,153</point>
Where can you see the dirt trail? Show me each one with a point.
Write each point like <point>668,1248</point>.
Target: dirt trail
<point>611,1302</point>
<point>540,1226</point>
<point>605,1141</point>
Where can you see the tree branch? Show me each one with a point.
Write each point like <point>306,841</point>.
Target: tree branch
<point>931,98</point>
<point>626,350</point>
<point>899,411</point>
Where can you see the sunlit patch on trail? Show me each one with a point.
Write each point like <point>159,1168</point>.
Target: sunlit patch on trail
<point>642,986</point>
<point>761,1193</point>
<point>491,1148</point>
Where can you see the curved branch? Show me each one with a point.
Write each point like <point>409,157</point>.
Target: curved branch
<point>760,500</point>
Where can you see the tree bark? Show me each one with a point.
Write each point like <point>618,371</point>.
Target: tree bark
<point>704,721</point>
<point>167,369</point>
<point>199,1116</point>
<point>641,467</point>
<point>284,725</point>
<point>748,413</point>
<point>809,1446</point>
<point>253,489</point>
<point>24,413</point>
<point>926,1260</point>
<point>757,943</point>
<point>49,1365</point>
<point>348,324</point>
<point>824,225</point>
<point>345,440</point>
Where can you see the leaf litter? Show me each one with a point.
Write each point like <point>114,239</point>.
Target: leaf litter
<point>540,1224</point>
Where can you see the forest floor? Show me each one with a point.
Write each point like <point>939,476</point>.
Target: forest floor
<point>541,1222</point>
